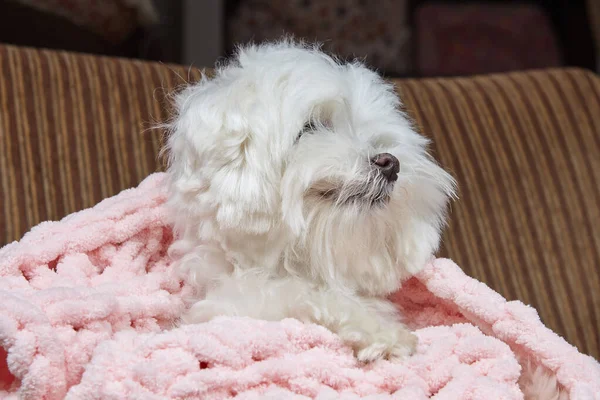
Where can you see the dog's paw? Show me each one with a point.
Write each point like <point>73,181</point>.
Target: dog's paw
<point>391,344</point>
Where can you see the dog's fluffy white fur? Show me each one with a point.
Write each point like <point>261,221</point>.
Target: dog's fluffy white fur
<point>280,210</point>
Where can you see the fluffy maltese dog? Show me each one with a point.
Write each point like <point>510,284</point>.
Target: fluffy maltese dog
<point>300,190</point>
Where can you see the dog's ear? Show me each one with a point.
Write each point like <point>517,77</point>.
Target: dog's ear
<point>217,164</point>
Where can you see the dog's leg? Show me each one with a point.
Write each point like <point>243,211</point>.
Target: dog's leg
<point>370,326</point>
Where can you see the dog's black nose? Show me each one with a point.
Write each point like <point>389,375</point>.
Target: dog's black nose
<point>388,165</point>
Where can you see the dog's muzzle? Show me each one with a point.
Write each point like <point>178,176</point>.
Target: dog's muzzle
<point>374,191</point>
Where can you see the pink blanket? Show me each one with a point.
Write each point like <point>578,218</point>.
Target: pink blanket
<point>87,307</point>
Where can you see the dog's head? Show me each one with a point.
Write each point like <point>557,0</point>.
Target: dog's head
<point>292,159</point>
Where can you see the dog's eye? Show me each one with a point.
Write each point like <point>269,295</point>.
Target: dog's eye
<point>308,128</point>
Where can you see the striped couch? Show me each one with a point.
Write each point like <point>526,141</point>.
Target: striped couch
<point>525,148</point>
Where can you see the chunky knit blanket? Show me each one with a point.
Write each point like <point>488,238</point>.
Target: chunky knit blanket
<point>87,307</point>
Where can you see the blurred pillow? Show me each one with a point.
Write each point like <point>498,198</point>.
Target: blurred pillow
<point>483,38</point>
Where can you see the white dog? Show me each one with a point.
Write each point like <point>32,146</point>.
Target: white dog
<point>299,190</point>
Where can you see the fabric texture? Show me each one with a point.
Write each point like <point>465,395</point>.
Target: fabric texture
<point>525,148</point>
<point>85,302</point>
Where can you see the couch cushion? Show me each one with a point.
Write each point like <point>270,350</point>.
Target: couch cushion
<point>524,148</point>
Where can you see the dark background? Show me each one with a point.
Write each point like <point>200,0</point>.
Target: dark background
<point>443,37</point>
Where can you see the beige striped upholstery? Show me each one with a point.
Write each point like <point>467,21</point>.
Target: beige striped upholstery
<point>75,130</point>
<point>524,148</point>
